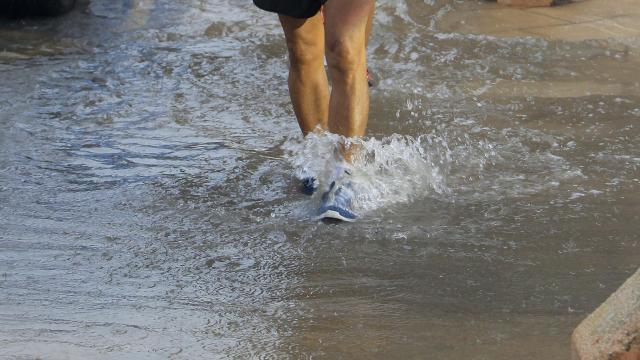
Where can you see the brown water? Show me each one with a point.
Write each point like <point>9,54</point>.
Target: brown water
<point>149,208</point>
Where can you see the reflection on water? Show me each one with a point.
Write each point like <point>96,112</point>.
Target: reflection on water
<point>149,205</point>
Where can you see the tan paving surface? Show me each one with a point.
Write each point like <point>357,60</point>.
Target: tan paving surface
<point>580,20</point>
<point>558,89</point>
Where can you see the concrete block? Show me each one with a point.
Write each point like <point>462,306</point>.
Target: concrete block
<point>612,331</point>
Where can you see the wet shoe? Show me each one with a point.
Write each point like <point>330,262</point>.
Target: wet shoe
<point>337,203</point>
<point>308,182</point>
<point>308,185</point>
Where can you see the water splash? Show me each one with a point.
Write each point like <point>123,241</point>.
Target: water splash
<point>393,169</point>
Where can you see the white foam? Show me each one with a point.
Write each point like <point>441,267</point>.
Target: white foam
<point>393,169</point>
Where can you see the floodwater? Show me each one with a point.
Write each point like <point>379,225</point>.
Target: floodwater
<point>149,206</point>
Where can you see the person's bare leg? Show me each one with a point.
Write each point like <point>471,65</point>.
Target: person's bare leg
<point>308,85</point>
<point>369,25</point>
<point>346,23</point>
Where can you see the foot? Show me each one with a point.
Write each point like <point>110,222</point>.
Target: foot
<point>337,203</point>
<point>309,185</point>
<point>372,79</point>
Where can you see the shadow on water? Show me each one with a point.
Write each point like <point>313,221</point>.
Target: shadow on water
<point>149,203</point>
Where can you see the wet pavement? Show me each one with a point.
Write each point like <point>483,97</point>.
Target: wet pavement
<point>149,206</point>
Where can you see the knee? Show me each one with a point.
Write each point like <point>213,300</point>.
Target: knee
<point>344,56</point>
<point>304,53</point>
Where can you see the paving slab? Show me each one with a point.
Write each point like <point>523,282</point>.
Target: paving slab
<point>496,20</point>
<point>526,3</point>
<point>557,89</point>
<point>621,27</point>
<point>576,21</point>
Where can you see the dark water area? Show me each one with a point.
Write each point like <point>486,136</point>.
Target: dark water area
<point>149,206</point>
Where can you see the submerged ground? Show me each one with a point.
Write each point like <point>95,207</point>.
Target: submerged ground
<point>149,209</point>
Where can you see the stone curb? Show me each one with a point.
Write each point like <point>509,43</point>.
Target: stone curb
<point>612,331</point>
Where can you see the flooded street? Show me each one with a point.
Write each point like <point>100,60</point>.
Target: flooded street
<point>149,206</point>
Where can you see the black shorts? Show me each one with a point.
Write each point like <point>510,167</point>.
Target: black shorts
<point>301,9</point>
